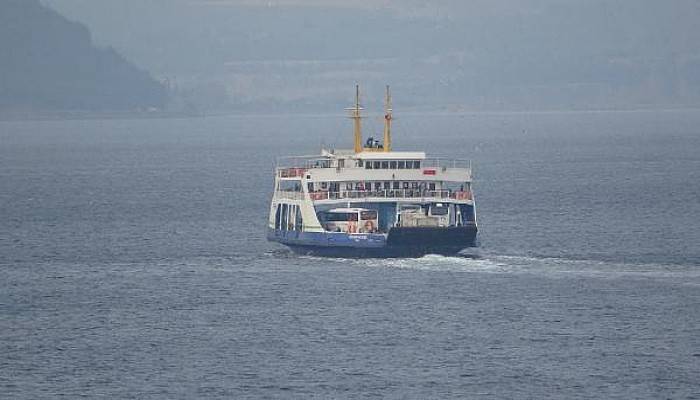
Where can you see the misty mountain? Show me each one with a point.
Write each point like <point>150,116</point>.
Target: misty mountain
<point>472,54</point>
<point>48,63</point>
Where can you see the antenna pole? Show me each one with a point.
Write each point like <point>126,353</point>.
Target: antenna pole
<point>355,115</point>
<point>387,120</point>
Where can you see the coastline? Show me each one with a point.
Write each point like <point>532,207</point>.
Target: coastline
<point>10,116</point>
<point>18,116</point>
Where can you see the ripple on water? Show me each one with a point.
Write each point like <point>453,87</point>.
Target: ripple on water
<point>509,264</point>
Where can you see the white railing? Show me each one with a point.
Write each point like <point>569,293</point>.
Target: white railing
<point>289,195</point>
<point>446,163</point>
<point>302,162</point>
<point>393,194</point>
<point>291,172</point>
<point>292,167</point>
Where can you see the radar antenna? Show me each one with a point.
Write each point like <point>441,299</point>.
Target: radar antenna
<point>356,116</point>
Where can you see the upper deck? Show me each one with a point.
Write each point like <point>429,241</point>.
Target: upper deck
<point>342,166</point>
<point>372,172</point>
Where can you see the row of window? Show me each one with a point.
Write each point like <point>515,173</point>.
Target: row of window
<point>402,164</point>
<point>386,185</point>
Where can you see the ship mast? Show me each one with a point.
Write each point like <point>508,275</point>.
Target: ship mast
<point>356,117</point>
<point>387,120</point>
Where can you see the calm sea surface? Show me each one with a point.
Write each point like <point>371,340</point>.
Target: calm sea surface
<point>133,264</point>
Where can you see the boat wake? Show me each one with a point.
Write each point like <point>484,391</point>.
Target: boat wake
<point>433,262</point>
<point>508,264</point>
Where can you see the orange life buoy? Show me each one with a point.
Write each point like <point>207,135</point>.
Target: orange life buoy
<point>369,226</point>
<point>319,195</point>
<point>463,195</point>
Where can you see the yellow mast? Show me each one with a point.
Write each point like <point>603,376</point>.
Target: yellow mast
<point>355,115</point>
<point>387,120</point>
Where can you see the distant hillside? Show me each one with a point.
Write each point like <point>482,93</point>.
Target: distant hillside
<point>456,54</point>
<point>48,63</point>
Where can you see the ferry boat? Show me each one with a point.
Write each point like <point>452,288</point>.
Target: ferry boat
<point>372,201</point>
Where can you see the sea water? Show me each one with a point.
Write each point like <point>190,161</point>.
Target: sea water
<point>133,264</point>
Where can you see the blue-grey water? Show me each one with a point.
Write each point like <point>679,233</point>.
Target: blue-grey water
<point>133,264</point>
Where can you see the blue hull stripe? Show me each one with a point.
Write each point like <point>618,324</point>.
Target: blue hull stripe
<point>327,239</point>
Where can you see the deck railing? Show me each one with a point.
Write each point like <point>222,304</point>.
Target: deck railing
<point>392,193</point>
<point>302,162</point>
<point>291,172</point>
<point>382,194</point>
<point>446,163</point>
<point>289,195</point>
<point>296,167</point>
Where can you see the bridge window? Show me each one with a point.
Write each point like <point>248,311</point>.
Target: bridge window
<point>392,164</point>
<point>368,165</point>
<point>368,215</point>
<point>402,164</point>
<point>377,165</point>
<point>385,164</point>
